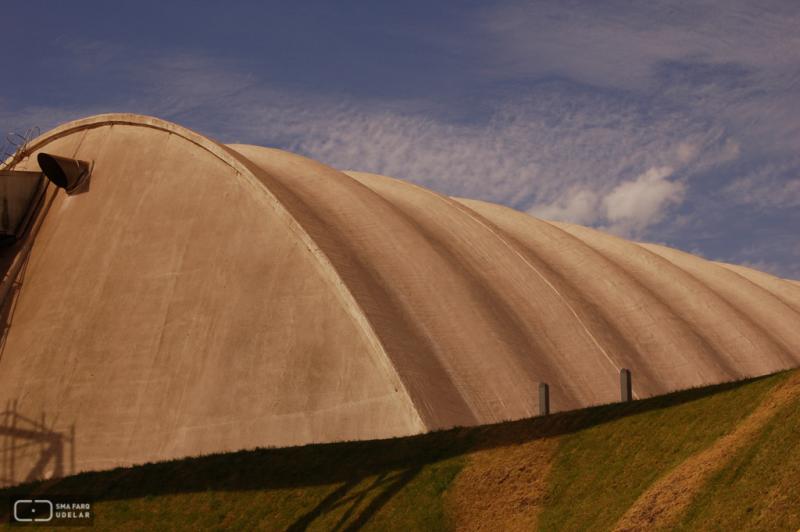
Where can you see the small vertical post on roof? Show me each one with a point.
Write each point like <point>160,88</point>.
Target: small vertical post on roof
<point>544,399</point>
<point>625,386</point>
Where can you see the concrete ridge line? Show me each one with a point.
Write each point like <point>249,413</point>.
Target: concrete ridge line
<point>549,284</point>
<point>479,219</point>
<point>763,280</point>
<point>496,232</point>
<point>774,340</point>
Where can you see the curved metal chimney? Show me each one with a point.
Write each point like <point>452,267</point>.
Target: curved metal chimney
<point>63,172</point>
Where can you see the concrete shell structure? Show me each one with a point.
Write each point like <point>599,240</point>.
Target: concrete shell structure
<point>200,298</point>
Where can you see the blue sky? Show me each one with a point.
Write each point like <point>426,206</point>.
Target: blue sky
<point>672,122</point>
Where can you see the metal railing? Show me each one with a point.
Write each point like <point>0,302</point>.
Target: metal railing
<point>14,146</point>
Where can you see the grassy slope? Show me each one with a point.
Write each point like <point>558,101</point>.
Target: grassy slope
<point>599,472</point>
<point>759,488</point>
<point>602,459</point>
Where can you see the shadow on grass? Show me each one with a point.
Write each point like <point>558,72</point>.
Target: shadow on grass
<point>395,462</point>
<point>386,485</point>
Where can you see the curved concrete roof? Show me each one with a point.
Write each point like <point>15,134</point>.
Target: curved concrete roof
<point>203,298</point>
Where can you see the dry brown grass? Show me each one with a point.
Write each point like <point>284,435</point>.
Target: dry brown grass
<point>503,488</point>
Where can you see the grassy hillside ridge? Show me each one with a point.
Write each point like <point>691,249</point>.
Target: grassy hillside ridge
<point>770,466</point>
<point>572,470</point>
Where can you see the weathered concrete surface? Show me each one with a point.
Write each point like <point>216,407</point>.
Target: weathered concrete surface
<point>202,298</point>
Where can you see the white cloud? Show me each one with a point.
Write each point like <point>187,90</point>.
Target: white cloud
<point>635,205</point>
<point>628,209</point>
<point>580,206</point>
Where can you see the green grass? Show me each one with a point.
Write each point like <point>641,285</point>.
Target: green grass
<point>759,489</point>
<point>377,485</point>
<point>599,472</point>
<point>374,502</point>
<point>607,456</point>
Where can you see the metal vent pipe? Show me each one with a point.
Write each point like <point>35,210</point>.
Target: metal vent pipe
<point>63,172</point>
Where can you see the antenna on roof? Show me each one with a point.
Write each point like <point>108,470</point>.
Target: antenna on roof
<point>14,146</point>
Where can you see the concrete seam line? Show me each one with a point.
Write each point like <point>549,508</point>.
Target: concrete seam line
<point>466,210</point>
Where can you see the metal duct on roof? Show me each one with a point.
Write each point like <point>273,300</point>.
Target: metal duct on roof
<point>64,172</point>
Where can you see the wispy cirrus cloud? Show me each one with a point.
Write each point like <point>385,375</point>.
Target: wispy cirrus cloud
<point>768,186</point>
<point>622,45</point>
<point>664,121</point>
<point>558,152</point>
